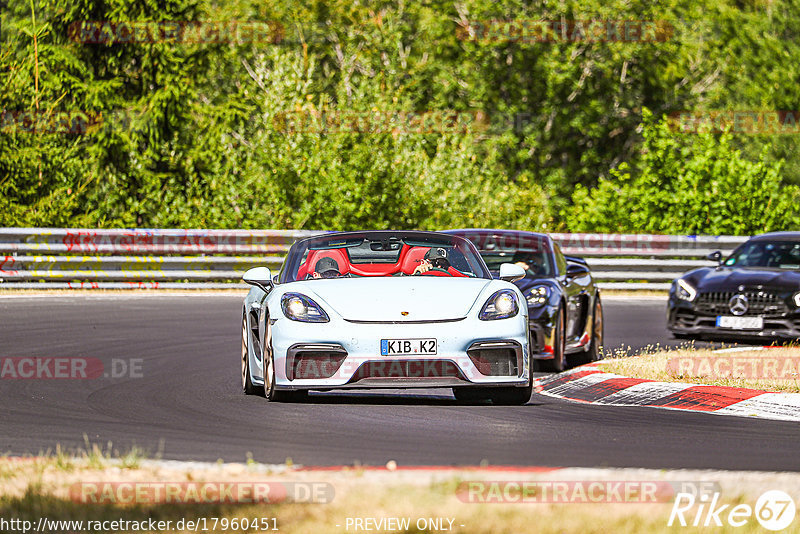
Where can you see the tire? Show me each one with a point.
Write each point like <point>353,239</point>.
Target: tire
<point>472,395</point>
<point>598,331</point>
<point>513,396</point>
<point>501,395</point>
<point>247,385</point>
<point>559,361</point>
<point>268,367</point>
<point>594,351</point>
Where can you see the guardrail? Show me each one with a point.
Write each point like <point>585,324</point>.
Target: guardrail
<point>59,258</point>
<point>644,261</point>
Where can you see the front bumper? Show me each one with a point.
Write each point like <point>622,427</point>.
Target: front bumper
<point>683,319</point>
<point>541,323</point>
<point>351,354</point>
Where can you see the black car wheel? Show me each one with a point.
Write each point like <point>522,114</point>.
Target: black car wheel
<point>502,396</point>
<point>472,395</point>
<point>247,385</point>
<point>497,395</point>
<point>559,361</point>
<point>595,350</point>
<point>268,365</point>
<point>596,347</point>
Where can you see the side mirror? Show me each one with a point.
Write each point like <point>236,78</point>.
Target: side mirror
<point>715,256</point>
<point>511,272</point>
<point>575,270</point>
<point>260,277</point>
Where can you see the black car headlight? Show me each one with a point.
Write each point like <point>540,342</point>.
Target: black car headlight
<point>299,307</point>
<point>501,305</point>
<point>796,299</point>
<point>538,295</point>
<point>684,290</point>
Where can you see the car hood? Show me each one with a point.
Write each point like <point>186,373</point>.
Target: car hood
<point>424,298</point>
<point>729,279</point>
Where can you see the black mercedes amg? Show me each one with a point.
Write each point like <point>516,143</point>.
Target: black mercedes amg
<point>565,314</point>
<point>754,293</point>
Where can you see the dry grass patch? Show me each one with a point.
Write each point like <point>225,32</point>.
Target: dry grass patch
<point>775,369</point>
<point>40,488</point>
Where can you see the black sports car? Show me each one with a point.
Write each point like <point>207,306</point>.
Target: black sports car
<point>565,313</point>
<point>754,293</point>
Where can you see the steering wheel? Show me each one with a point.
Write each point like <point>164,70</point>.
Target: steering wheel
<point>434,270</point>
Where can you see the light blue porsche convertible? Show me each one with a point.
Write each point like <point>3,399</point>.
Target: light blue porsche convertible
<point>385,309</point>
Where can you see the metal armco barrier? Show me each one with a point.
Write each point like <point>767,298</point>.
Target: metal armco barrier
<point>58,258</point>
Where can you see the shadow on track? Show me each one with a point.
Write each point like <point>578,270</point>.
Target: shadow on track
<point>386,398</point>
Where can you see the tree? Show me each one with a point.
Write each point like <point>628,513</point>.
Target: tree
<point>692,183</point>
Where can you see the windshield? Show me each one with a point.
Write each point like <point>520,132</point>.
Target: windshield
<point>379,254</point>
<point>770,254</point>
<point>532,252</point>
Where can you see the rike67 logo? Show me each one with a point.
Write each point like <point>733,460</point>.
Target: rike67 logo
<point>774,510</point>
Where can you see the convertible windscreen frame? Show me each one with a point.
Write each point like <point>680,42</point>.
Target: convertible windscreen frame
<point>386,254</point>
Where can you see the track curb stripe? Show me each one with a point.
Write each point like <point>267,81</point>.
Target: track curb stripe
<point>706,398</point>
<point>640,394</point>
<point>589,384</point>
<point>603,389</point>
<point>552,382</point>
<point>574,382</point>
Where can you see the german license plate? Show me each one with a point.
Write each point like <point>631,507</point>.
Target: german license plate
<point>740,323</point>
<point>403,347</point>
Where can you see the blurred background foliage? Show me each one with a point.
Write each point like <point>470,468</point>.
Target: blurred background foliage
<point>194,134</point>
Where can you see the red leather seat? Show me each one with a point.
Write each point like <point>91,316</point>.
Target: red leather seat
<point>337,254</point>
<point>413,258</point>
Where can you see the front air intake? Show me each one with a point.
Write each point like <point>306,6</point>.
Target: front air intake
<point>496,358</point>
<point>314,361</point>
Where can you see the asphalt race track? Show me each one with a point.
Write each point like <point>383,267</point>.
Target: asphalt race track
<point>183,401</point>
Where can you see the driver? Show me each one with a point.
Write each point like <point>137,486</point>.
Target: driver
<point>326,268</point>
<point>527,261</point>
<point>435,257</point>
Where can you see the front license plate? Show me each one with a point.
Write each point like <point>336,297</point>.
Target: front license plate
<point>402,347</point>
<point>740,323</point>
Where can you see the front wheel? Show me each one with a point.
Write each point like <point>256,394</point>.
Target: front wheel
<point>596,347</point>
<point>559,361</point>
<point>595,350</point>
<point>497,395</point>
<point>682,336</point>
<point>268,368</point>
<point>247,385</point>
<point>469,395</point>
<point>501,396</point>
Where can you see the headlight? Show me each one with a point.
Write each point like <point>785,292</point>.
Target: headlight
<point>684,290</point>
<point>797,299</point>
<point>299,307</point>
<point>501,305</point>
<point>538,295</point>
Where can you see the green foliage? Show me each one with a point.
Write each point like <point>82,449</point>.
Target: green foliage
<point>692,184</point>
<point>192,135</point>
